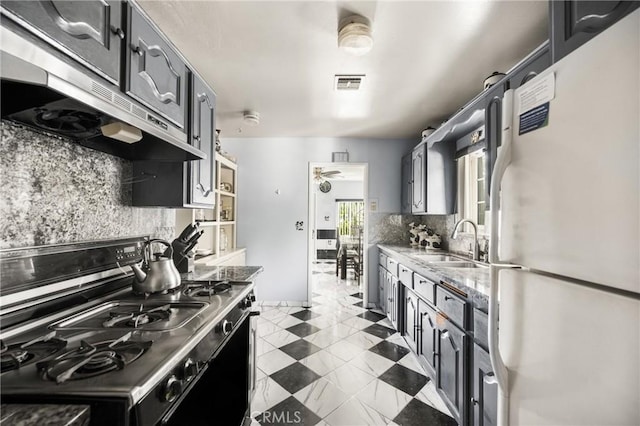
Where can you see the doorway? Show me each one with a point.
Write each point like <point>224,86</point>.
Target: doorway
<point>338,194</point>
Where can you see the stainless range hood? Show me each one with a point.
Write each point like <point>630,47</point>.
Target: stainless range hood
<point>43,89</point>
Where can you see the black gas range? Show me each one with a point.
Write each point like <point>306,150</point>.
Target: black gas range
<point>73,332</point>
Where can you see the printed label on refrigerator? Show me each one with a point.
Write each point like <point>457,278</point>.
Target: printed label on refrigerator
<point>535,94</point>
<point>534,119</point>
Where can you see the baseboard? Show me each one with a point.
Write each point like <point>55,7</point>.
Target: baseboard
<point>282,303</point>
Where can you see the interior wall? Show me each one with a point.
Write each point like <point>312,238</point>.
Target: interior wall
<point>326,202</point>
<point>53,190</point>
<point>273,196</point>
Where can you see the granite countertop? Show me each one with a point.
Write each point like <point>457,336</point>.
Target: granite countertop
<point>230,273</point>
<point>475,282</point>
<point>44,415</point>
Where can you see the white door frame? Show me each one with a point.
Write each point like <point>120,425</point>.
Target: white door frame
<point>311,229</point>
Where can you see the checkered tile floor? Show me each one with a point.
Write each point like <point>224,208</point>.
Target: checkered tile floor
<point>339,364</point>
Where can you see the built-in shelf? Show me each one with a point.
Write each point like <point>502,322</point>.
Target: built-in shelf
<point>219,223</point>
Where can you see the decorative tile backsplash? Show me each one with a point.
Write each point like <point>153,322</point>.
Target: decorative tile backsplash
<point>394,229</point>
<point>55,191</point>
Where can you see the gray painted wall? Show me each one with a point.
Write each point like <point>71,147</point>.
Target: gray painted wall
<point>326,203</point>
<point>266,220</point>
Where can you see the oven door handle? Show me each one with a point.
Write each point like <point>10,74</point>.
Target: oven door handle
<point>254,313</point>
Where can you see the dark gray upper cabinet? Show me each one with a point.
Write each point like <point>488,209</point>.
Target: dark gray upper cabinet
<point>418,178</point>
<point>156,75</point>
<point>189,184</point>
<point>406,188</point>
<point>433,178</point>
<point>484,400</point>
<point>573,23</point>
<point>90,31</point>
<point>202,173</point>
<point>538,61</point>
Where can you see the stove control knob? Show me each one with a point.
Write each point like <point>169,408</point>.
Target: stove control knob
<point>171,389</point>
<point>189,369</point>
<point>252,297</point>
<point>227,326</point>
<point>246,303</point>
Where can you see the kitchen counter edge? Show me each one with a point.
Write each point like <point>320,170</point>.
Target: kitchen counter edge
<point>473,282</point>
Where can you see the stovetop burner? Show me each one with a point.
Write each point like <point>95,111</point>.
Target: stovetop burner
<point>206,288</point>
<point>138,318</point>
<point>89,360</point>
<point>15,356</point>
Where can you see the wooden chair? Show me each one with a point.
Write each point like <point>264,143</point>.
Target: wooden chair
<point>344,258</point>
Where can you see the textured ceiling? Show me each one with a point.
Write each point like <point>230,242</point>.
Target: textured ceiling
<point>279,58</point>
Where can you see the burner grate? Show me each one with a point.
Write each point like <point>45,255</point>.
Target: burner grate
<point>138,318</point>
<point>15,356</point>
<point>204,289</point>
<point>90,360</point>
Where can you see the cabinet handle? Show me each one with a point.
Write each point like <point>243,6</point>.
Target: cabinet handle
<point>196,138</point>
<point>445,335</point>
<point>136,49</point>
<point>118,31</point>
<point>448,298</point>
<point>490,379</point>
<point>474,401</point>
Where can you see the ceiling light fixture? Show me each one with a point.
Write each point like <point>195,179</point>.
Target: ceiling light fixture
<point>354,36</point>
<point>251,118</point>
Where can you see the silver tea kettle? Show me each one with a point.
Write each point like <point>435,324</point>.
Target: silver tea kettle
<point>155,275</point>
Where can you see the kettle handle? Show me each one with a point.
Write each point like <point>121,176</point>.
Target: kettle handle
<point>165,242</point>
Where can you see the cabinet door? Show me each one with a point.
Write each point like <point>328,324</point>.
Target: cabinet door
<point>393,300</point>
<point>88,30</point>
<point>534,65</point>
<point>573,23</point>
<point>418,179</point>
<point>382,298</point>
<point>485,389</point>
<point>428,336</point>
<point>410,315</point>
<point>202,172</point>
<point>388,295</point>
<point>157,77</point>
<point>451,367</point>
<point>405,190</point>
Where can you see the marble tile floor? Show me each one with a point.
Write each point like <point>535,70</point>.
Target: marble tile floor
<point>338,364</point>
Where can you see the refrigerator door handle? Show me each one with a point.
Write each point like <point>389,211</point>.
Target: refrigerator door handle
<point>502,162</point>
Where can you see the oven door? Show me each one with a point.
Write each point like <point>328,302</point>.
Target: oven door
<point>221,392</point>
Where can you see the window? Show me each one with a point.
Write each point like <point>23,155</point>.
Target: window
<point>472,190</point>
<point>350,217</point>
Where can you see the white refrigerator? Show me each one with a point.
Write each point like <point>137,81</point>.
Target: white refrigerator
<point>566,185</point>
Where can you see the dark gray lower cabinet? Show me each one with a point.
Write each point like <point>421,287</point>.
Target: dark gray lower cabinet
<point>451,372</point>
<point>428,336</point>
<point>382,279</point>
<point>484,400</point>
<point>392,299</point>
<point>410,319</point>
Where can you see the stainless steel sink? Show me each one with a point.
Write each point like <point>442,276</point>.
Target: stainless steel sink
<point>439,258</point>
<point>460,264</point>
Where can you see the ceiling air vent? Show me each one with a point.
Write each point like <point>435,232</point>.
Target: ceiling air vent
<point>349,82</point>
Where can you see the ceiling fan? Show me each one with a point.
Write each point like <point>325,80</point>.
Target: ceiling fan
<point>320,175</point>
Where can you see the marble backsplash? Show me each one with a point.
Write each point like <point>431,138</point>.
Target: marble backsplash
<point>55,191</point>
<point>394,229</point>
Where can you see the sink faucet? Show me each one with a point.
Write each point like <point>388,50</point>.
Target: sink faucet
<point>475,235</point>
